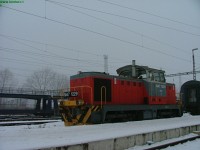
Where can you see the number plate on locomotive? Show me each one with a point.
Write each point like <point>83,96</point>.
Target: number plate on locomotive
<point>71,94</point>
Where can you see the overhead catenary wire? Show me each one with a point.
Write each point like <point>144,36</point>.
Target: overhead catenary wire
<point>125,28</point>
<point>91,62</point>
<point>21,52</point>
<point>32,63</point>
<point>58,57</point>
<point>31,70</point>
<point>14,51</point>
<point>57,46</point>
<point>129,18</point>
<point>48,44</point>
<point>148,13</point>
<point>52,54</point>
<point>181,73</point>
<point>101,34</point>
<point>46,63</point>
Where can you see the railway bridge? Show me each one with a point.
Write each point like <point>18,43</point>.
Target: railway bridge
<point>46,101</point>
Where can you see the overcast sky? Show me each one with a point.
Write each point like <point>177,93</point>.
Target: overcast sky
<point>73,35</point>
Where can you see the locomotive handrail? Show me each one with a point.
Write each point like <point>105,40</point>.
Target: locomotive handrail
<point>82,92</point>
<point>103,87</point>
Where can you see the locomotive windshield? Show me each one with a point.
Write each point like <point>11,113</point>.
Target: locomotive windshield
<point>157,76</point>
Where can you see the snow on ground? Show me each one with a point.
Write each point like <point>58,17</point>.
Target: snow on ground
<point>56,134</point>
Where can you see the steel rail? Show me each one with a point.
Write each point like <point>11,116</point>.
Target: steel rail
<point>173,143</point>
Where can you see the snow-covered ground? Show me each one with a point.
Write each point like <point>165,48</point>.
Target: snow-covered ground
<point>56,134</point>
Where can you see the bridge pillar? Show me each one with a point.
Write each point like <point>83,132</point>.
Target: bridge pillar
<point>38,105</point>
<point>56,109</point>
<point>49,107</point>
<point>44,106</point>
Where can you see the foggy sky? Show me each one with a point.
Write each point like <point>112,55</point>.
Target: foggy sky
<point>158,34</point>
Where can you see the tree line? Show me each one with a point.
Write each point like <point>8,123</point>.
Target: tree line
<point>40,80</point>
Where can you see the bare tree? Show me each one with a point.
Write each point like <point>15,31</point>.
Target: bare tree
<point>46,79</point>
<point>41,80</point>
<point>6,78</point>
<point>61,81</point>
<point>6,82</point>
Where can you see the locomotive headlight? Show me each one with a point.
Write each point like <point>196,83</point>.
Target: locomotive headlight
<point>79,102</point>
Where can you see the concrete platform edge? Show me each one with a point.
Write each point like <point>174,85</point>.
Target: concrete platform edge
<point>121,143</point>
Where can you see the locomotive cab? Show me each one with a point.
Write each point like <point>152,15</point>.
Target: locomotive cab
<point>153,79</point>
<point>141,72</point>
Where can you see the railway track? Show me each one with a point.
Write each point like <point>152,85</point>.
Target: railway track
<point>4,118</point>
<point>25,120</point>
<point>34,122</point>
<point>173,143</point>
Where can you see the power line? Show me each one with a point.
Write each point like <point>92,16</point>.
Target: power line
<point>53,45</point>
<point>21,51</point>
<point>180,74</point>
<point>31,63</point>
<point>53,54</point>
<point>101,34</point>
<point>25,70</point>
<point>124,28</point>
<point>43,61</point>
<point>155,15</point>
<point>13,51</point>
<point>21,54</point>
<point>125,17</point>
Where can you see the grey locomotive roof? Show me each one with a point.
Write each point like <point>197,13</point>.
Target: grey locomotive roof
<point>127,70</point>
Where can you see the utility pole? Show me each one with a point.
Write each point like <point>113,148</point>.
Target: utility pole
<point>194,72</point>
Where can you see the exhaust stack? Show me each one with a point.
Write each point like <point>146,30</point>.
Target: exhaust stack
<point>133,69</point>
<point>105,63</point>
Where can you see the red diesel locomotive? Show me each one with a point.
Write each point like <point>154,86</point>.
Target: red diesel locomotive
<point>138,92</point>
